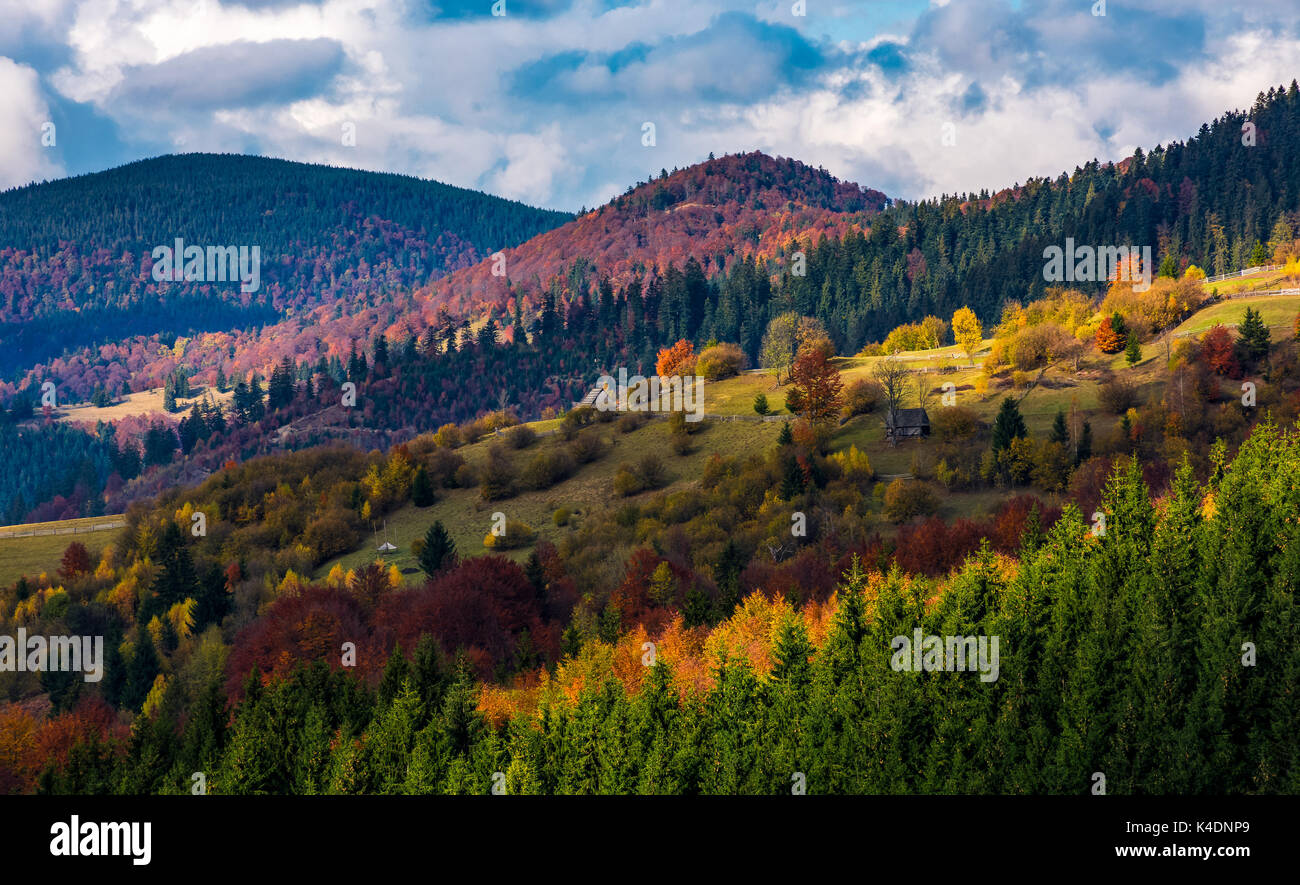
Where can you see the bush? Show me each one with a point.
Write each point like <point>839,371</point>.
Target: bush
<point>448,436</point>
<point>854,465</point>
<point>547,468</point>
<point>587,447</point>
<point>720,361</point>
<point>648,473</point>
<point>681,443</point>
<point>466,476</point>
<point>1035,346</point>
<point>626,482</point>
<point>629,422</point>
<point>500,420</point>
<point>442,465</point>
<point>652,472</point>
<point>329,535</point>
<point>861,397</point>
<point>575,420</point>
<point>472,431</point>
<point>1117,396</point>
<point>906,499</point>
<point>561,516</point>
<point>56,606</point>
<point>954,423</point>
<point>516,534</point>
<point>677,423</point>
<point>951,477</point>
<point>498,478</point>
<point>521,437</point>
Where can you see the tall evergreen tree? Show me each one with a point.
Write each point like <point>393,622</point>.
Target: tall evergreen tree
<point>1008,425</point>
<point>439,550</point>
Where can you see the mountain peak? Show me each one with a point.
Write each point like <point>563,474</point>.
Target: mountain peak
<point>724,209</point>
<point>750,178</point>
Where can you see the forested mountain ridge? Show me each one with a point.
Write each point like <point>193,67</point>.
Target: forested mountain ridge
<point>1221,200</point>
<point>716,212</point>
<point>75,254</point>
<point>1215,201</point>
<point>730,226</point>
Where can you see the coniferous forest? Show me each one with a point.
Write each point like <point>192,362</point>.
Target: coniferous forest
<point>1122,654</point>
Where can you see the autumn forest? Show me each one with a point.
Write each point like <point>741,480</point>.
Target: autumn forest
<point>940,525</point>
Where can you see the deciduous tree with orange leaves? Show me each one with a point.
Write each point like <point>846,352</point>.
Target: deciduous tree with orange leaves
<point>1109,340</point>
<point>76,561</point>
<point>1217,352</point>
<point>817,387</point>
<point>676,360</point>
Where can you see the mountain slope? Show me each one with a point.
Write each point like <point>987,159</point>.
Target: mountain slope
<point>75,262</point>
<point>716,212</point>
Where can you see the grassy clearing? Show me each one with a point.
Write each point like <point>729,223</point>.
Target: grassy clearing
<point>1278,311</point>
<point>144,402</point>
<point>735,396</point>
<point>1273,279</point>
<point>468,518</point>
<point>80,524</point>
<point>42,553</point>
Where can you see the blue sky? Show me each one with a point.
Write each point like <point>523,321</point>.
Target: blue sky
<point>549,102</point>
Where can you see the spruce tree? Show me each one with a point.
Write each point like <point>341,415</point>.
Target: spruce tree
<point>439,550</point>
<point>1008,425</point>
<point>536,575</point>
<point>141,671</point>
<point>428,673</point>
<point>726,574</point>
<point>1060,433</point>
<point>396,673</point>
<point>1031,537</point>
<point>1254,336</point>
<point>1133,351</point>
<point>421,488</point>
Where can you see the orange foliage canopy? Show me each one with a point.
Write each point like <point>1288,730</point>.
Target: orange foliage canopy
<point>1217,352</point>
<point>676,360</point>
<point>817,386</point>
<point>1108,340</point>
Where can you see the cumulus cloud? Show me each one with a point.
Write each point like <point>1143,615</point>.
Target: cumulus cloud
<point>238,74</point>
<point>735,58</point>
<point>26,129</point>
<point>546,103</point>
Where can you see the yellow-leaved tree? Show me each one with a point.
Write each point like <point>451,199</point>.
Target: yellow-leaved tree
<point>967,332</point>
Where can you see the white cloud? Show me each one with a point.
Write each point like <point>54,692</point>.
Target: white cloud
<point>442,98</point>
<point>23,114</point>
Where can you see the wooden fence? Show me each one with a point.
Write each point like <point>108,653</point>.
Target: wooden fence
<point>19,532</point>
